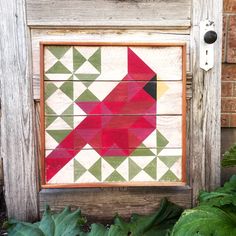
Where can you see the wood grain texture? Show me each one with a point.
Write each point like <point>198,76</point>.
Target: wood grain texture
<point>115,36</point>
<point>101,204</point>
<point>205,126</point>
<point>17,121</point>
<point>144,13</point>
<point>1,173</point>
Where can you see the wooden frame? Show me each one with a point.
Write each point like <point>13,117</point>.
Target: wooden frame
<point>118,184</point>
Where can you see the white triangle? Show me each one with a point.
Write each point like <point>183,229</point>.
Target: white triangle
<point>67,59</point>
<point>102,89</point>
<point>142,176</point>
<point>142,161</point>
<point>123,169</point>
<point>78,89</point>
<point>50,142</point>
<point>47,152</point>
<point>58,124</point>
<point>58,76</point>
<point>78,120</point>
<point>150,141</point>
<point>78,111</point>
<point>87,157</point>
<point>107,169</point>
<point>87,177</point>
<point>59,102</point>
<point>161,168</point>
<point>87,52</point>
<point>49,60</point>
<point>64,175</point>
<point>87,68</point>
<point>177,168</point>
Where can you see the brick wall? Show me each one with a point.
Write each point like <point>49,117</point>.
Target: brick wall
<point>228,110</point>
<point>228,84</point>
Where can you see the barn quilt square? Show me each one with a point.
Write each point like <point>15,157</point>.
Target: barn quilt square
<point>113,114</point>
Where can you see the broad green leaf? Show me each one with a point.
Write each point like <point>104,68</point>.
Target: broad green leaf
<point>23,229</point>
<point>96,230</point>
<point>205,221</point>
<point>221,196</point>
<point>162,221</point>
<point>229,158</point>
<point>62,224</point>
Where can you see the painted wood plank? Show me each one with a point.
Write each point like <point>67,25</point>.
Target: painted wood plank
<point>205,123</point>
<point>108,13</point>
<point>17,119</point>
<point>142,165</point>
<point>101,204</point>
<point>72,35</point>
<point>36,87</point>
<point>169,126</point>
<point>59,96</point>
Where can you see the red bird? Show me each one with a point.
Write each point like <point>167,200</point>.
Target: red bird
<point>117,125</point>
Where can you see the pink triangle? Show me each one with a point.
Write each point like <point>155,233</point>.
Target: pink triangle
<point>141,134</point>
<point>114,150</point>
<point>87,106</point>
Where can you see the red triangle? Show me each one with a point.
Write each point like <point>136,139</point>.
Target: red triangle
<point>137,69</point>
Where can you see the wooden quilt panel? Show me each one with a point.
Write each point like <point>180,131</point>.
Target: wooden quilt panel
<point>113,114</point>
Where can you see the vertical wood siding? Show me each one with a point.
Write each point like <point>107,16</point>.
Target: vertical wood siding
<point>17,121</point>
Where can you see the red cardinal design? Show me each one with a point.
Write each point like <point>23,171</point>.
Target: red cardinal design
<point>130,110</point>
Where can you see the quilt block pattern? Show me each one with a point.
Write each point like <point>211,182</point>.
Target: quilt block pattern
<point>112,114</point>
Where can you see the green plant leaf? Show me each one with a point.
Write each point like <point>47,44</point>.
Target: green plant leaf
<point>205,221</point>
<point>65,223</point>
<point>159,222</point>
<point>229,158</point>
<point>222,196</point>
<point>96,230</point>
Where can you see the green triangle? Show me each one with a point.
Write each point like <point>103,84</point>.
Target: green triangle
<point>48,110</point>
<point>161,142</point>
<point>169,176</point>
<point>49,120</point>
<point>87,79</point>
<point>46,78</point>
<point>96,169</point>
<point>58,51</point>
<point>79,170</point>
<point>49,89</point>
<point>58,68</point>
<point>58,135</point>
<point>78,59</point>
<point>69,120</point>
<point>151,168</point>
<point>95,59</point>
<point>169,160</point>
<point>67,88</point>
<point>115,177</point>
<point>87,96</point>
<point>69,110</point>
<point>114,161</point>
<point>134,169</point>
<point>142,150</point>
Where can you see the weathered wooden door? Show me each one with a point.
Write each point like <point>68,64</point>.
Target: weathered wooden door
<point>26,23</point>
